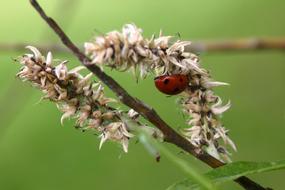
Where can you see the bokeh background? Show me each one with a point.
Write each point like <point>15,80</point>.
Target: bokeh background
<point>37,153</point>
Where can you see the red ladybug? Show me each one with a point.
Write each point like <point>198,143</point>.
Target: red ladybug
<point>171,84</point>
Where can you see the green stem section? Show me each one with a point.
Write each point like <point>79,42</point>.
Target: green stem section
<point>151,145</point>
<point>184,166</point>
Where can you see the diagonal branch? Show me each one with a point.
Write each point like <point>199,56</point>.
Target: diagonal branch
<point>147,112</point>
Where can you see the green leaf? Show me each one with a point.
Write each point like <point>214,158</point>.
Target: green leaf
<point>238,169</point>
<point>230,172</point>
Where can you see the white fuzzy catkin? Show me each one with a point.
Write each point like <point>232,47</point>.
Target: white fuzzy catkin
<point>129,50</point>
<point>76,96</point>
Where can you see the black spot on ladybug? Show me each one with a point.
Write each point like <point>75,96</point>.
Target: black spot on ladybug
<point>181,79</point>
<point>166,81</point>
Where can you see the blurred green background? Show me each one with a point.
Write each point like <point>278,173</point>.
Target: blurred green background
<point>37,153</point>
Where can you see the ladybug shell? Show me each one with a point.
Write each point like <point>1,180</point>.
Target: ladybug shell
<point>171,84</point>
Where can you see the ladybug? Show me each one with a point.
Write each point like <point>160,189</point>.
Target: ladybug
<point>171,84</point>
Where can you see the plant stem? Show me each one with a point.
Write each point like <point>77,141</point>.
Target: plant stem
<point>236,45</point>
<point>215,46</point>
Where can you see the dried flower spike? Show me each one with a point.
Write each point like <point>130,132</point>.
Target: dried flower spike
<point>76,96</point>
<point>130,50</point>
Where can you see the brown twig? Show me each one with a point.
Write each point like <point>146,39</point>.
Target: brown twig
<point>149,113</point>
<point>247,44</point>
<point>233,45</point>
